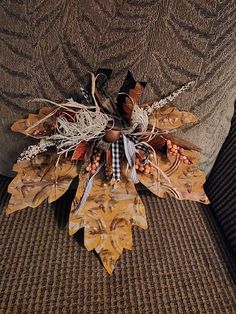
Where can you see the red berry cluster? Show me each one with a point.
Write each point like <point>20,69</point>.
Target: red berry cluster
<point>142,164</point>
<point>95,161</point>
<point>174,150</point>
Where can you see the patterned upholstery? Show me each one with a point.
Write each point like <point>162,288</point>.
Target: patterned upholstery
<point>48,46</point>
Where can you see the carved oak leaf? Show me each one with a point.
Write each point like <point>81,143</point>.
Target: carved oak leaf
<point>184,182</point>
<point>169,117</point>
<point>39,179</point>
<point>107,217</point>
<point>26,126</point>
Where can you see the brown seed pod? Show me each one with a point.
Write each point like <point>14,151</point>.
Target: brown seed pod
<point>112,136</point>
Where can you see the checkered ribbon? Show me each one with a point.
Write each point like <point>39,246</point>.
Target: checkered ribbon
<point>117,151</point>
<point>129,149</point>
<point>133,138</point>
<point>141,146</point>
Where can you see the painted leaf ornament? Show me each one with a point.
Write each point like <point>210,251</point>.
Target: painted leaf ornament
<point>108,215</point>
<point>169,118</point>
<point>35,125</point>
<point>183,181</point>
<point>40,179</point>
<point>110,145</point>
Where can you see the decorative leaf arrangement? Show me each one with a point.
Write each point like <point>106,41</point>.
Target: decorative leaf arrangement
<point>111,145</point>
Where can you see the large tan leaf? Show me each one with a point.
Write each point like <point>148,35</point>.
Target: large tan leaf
<point>39,179</point>
<point>108,216</point>
<point>26,126</point>
<point>169,117</point>
<point>184,182</point>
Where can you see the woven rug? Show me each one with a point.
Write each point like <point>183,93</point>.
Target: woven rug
<point>179,265</point>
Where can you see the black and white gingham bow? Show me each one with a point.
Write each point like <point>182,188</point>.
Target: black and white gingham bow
<point>117,149</point>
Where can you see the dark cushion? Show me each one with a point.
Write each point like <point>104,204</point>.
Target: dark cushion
<point>221,188</point>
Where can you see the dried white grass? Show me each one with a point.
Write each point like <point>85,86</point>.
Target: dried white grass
<point>158,104</point>
<point>33,150</point>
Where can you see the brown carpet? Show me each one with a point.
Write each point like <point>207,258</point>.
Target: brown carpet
<point>179,265</point>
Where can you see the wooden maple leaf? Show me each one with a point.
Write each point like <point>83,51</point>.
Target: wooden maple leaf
<point>169,117</point>
<point>36,125</point>
<point>40,179</point>
<point>184,182</point>
<point>107,217</point>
